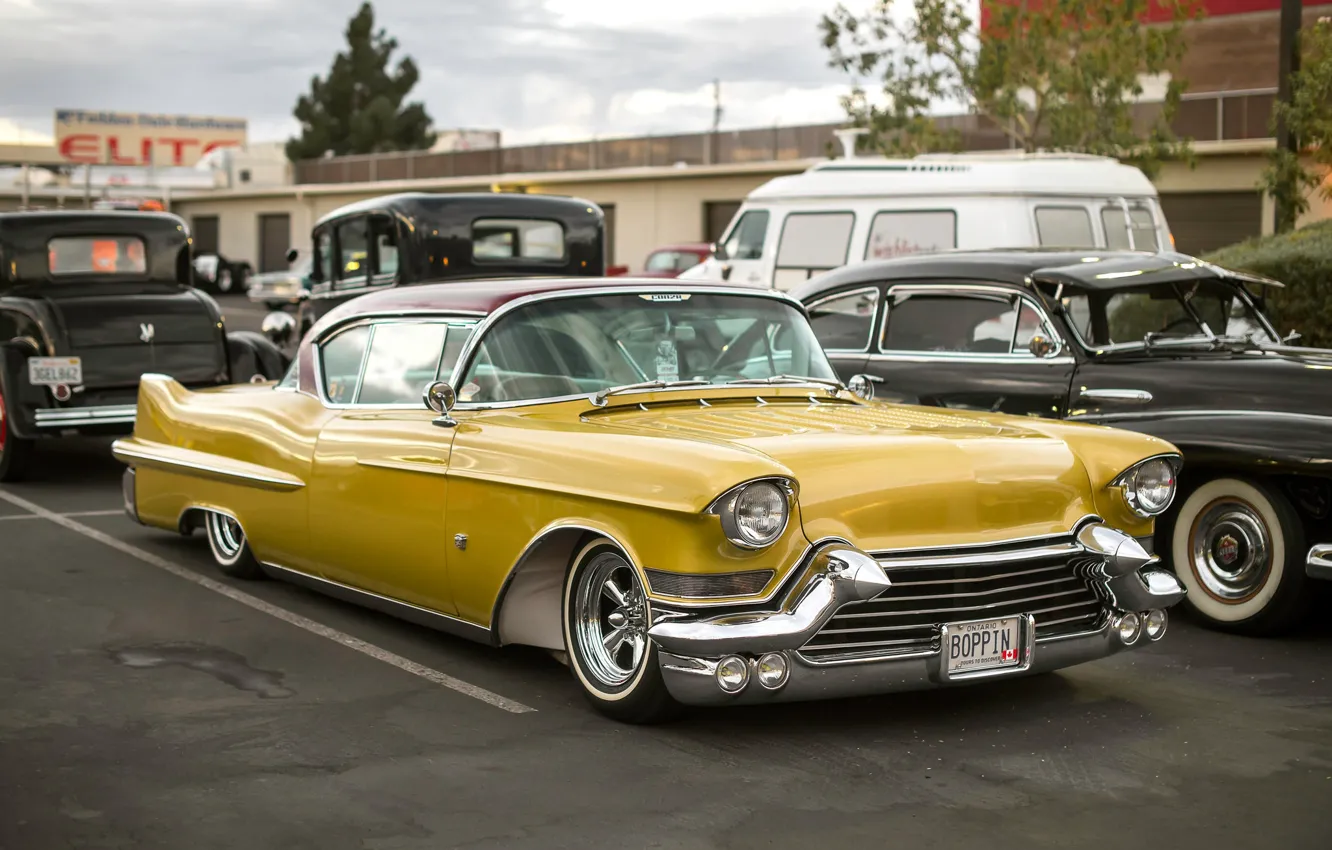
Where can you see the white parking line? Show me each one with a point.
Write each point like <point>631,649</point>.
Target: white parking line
<point>465,688</point>
<point>75,513</point>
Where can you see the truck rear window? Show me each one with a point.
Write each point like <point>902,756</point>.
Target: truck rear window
<point>77,255</point>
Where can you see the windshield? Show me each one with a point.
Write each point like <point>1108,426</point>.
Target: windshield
<point>570,346</point>
<point>1201,309</point>
<point>672,261</point>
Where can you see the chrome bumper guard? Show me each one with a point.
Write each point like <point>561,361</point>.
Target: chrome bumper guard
<point>691,648</point>
<point>1319,562</point>
<point>83,417</point>
<point>129,494</point>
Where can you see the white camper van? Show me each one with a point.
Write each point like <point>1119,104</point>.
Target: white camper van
<point>849,210</point>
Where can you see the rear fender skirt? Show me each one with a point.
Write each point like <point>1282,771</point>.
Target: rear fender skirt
<point>141,453</point>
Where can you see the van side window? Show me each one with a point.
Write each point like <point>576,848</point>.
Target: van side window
<point>1116,233</point>
<point>745,241</point>
<point>845,322</point>
<point>893,234</point>
<point>812,243</point>
<point>1064,227</point>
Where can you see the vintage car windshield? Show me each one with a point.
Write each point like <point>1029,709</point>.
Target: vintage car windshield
<point>672,261</point>
<point>1202,309</point>
<point>585,344</point>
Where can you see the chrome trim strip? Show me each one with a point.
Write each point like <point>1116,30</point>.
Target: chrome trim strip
<point>1315,417</point>
<point>1015,296</point>
<point>1060,536</point>
<point>935,357</point>
<point>1113,395</point>
<point>130,455</point>
<point>1034,553</point>
<point>394,607</point>
<point>72,417</point>
<point>441,468</point>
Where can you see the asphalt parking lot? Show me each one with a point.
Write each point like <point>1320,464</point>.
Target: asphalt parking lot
<point>152,703</point>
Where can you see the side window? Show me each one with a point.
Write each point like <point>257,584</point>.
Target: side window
<point>340,363</point>
<point>1029,324</point>
<point>1064,227</point>
<point>845,322</point>
<point>950,323</point>
<point>1116,233</point>
<point>324,254</point>
<point>893,234</point>
<point>353,252</point>
<point>745,241</point>
<point>453,347</point>
<point>811,243</point>
<point>290,380</point>
<point>403,361</point>
<point>384,234</point>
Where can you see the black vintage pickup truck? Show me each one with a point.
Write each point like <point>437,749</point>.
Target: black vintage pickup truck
<point>90,301</point>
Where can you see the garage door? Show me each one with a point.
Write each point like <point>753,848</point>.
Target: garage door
<point>1205,221</point>
<point>204,229</point>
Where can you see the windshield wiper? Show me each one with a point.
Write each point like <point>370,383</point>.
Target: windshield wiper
<point>791,379</point>
<point>600,398</point>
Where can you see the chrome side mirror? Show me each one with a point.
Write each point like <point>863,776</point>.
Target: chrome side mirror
<point>862,385</point>
<point>440,398</point>
<point>279,327</point>
<point>1042,346</point>
<point>292,255</point>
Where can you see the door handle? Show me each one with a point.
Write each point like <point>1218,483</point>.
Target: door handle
<point>1114,396</point>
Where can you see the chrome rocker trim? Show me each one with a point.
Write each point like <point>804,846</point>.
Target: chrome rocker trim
<point>1319,562</point>
<point>691,645</point>
<point>82,417</point>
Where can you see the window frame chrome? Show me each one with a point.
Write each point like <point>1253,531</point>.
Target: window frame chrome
<point>879,300</point>
<point>992,292</point>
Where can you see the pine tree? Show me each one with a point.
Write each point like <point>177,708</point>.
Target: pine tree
<point>358,108</point>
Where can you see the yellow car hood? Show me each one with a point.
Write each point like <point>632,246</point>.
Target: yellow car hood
<point>889,477</point>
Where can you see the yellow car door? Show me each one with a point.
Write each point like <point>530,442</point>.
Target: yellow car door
<point>378,485</point>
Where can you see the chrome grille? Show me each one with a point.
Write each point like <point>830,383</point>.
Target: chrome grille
<point>933,587</point>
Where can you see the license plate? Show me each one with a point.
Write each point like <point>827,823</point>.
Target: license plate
<point>983,645</point>
<point>49,371</point>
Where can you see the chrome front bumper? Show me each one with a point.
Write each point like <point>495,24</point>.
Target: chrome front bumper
<point>84,417</point>
<point>691,647</point>
<point>1319,562</point>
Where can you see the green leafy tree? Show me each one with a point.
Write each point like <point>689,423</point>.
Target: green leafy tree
<point>1050,74</point>
<point>358,108</point>
<point>1290,177</point>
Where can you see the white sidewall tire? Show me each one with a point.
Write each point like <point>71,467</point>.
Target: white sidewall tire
<point>1182,557</point>
<point>589,683</point>
<point>210,529</point>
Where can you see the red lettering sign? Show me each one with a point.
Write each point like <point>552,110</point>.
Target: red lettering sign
<point>178,149</point>
<point>113,156</point>
<point>81,148</point>
<point>212,146</point>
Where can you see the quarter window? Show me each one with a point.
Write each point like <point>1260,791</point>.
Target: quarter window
<point>893,234</point>
<point>959,324</point>
<point>1064,227</point>
<point>353,253</point>
<point>745,241</point>
<point>1142,223</point>
<point>340,363</point>
<point>845,322</point>
<point>811,242</point>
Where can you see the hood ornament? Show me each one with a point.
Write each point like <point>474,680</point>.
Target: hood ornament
<point>146,332</point>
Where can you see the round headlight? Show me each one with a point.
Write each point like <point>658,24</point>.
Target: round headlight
<point>1151,488</point>
<point>754,515</point>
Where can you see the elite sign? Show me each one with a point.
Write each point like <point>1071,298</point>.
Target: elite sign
<point>130,138</point>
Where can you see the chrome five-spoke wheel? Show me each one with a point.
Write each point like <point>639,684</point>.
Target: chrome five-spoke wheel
<point>606,618</point>
<point>1238,547</point>
<point>230,549</point>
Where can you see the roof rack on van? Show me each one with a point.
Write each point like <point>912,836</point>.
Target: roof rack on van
<point>991,156</point>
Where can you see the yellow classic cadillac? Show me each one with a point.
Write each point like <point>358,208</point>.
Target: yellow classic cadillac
<point>665,485</point>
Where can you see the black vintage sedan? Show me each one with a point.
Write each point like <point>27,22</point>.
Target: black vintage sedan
<point>1160,343</point>
<point>89,302</point>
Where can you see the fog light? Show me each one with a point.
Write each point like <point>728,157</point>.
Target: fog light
<point>1130,627</point>
<point>733,674</point>
<point>773,670</point>
<point>1154,624</point>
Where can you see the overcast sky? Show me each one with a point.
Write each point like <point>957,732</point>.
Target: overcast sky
<point>539,70</point>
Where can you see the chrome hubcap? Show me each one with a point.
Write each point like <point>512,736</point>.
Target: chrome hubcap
<point>610,612</point>
<point>227,535</point>
<point>1231,549</point>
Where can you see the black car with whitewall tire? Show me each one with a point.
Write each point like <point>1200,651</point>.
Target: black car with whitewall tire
<point>1160,343</point>
<point>89,302</point>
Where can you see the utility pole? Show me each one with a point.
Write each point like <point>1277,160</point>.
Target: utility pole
<point>1288,64</point>
<point>710,156</point>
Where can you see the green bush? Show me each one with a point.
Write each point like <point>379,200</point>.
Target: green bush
<point>1302,260</point>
